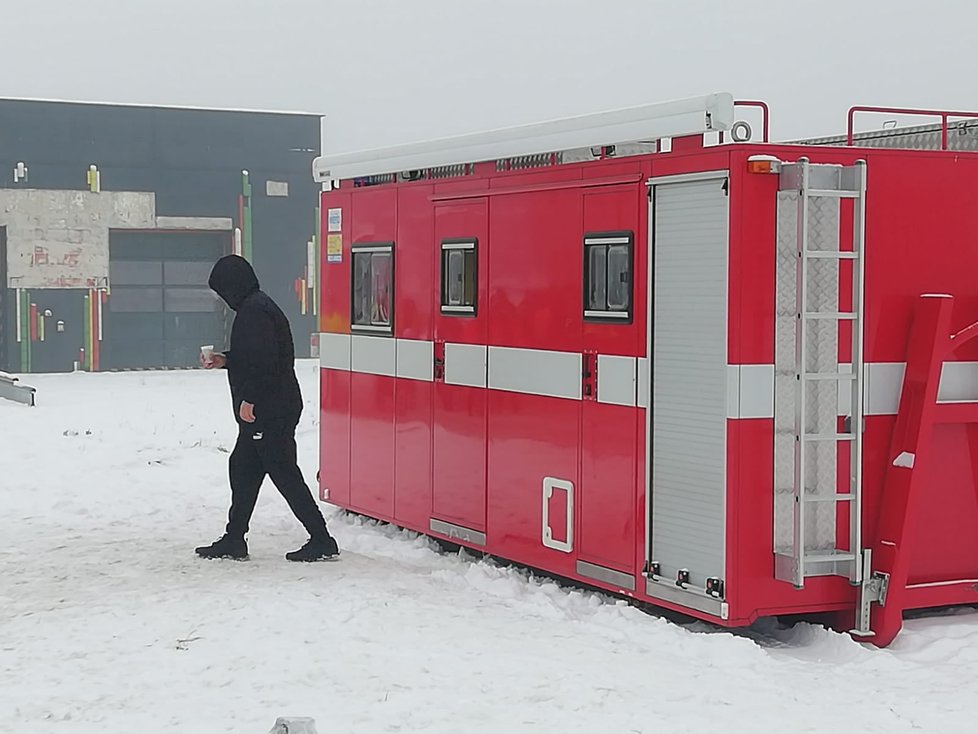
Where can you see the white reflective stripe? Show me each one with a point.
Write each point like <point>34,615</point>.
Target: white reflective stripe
<point>750,391</point>
<point>621,380</point>
<point>334,351</point>
<point>465,364</point>
<point>959,382</point>
<point>415,359</point>
<point>374,355</point>
<point>884,383</point>
<point>643,382</point>
<point>616,380</point>
<point>535,372</point>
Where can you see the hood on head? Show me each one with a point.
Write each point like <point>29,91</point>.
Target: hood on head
<point>233,279</point>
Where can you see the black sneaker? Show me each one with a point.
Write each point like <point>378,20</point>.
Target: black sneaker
<point>315,549</point>
<point>226,547</point>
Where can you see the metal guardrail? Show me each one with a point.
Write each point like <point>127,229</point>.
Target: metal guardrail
<point>11,390</point>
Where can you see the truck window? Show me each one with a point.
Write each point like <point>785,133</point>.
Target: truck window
<point>608,276</point>
<point>459,276</point>
<point>372,287</point>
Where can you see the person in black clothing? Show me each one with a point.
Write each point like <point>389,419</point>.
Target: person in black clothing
<point>267,402</point>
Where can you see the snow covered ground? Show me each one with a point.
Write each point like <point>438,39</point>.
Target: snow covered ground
<point>109,623</point>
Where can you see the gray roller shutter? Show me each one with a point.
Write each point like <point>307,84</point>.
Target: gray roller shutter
<point>689,378</point>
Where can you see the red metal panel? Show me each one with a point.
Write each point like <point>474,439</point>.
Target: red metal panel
<point>458,220</point>
<point>531,438</point>
<point>606,515</point>
<point>334,310</point>
<point>412,449</point>
<point>753,225</point>
<point>615,209</point>
<point>414,272</point>
<point>374,215</point>
<point>536,282</point>
<point>531,178</point>
<point>639,485</point>
<point>459,493</point>
<point>751,587</point>
<point>372,439</point>
<point>947,545</point>
<point>954,593</point>
<point>921,213</point>
<point>334,437</point>
<point>677,163</point>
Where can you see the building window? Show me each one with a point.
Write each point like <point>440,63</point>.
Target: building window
<point>373,288</point>
<point>608,258</point>
<point>459,276</point>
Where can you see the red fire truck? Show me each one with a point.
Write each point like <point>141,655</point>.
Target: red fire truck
<point>643,351</point>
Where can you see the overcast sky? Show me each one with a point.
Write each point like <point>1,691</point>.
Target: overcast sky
<point>393,71</point>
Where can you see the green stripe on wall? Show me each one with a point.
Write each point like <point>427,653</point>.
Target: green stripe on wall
<point>246,245</point>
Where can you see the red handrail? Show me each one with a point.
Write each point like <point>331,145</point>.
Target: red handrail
<point>943,114</point>
<point>766,117</point>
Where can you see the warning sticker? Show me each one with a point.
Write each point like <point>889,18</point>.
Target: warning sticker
<point>334,248</point>
<point>334,220</point>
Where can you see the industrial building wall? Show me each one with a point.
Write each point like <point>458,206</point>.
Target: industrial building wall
<point>183,175</point>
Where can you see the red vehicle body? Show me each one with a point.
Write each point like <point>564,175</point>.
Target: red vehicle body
<point>647,371</point>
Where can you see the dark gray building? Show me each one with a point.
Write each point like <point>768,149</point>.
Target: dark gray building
<point>111,217</point>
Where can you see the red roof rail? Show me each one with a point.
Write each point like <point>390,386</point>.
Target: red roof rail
<point>766,117</point>
<point>943,114</point>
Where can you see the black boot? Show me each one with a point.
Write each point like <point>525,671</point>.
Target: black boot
<point>316,549</point>
<point>226,547</point>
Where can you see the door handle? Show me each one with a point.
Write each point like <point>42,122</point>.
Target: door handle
<point>549,485</point>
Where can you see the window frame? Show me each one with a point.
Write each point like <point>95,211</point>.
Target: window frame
<point>446,247</point>
<point>372,248</point>
<point>607,239</point>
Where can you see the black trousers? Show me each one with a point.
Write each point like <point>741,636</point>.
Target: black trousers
<point>270,451</point>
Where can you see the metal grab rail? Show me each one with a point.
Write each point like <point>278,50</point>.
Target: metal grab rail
<point>765,118</point>
<point>943,114</point>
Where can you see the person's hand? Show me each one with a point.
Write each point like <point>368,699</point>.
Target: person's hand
<point>247,412</point>
<point>216,361</point>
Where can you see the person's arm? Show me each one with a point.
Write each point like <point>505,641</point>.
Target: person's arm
<point>255,356</point>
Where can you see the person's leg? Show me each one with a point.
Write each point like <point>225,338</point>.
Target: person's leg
<point>246,475</point>
<point>277,449</point>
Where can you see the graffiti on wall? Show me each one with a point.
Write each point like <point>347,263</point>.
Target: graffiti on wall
<point>60,239</point>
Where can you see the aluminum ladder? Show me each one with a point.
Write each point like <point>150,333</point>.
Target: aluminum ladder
<point>827,399</point>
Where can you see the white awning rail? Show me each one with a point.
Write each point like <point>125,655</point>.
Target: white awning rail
<point>649,122</point>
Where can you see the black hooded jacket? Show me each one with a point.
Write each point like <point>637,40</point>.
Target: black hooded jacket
<point>261,354</point>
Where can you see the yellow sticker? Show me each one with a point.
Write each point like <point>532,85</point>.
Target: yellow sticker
<point>334,248</point>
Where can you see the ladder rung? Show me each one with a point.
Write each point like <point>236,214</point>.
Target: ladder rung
<point>843,194</point>
<point>830,498</point>
<point>829,437</point>
<point>832,254</point>
<point>827,376</point>
<point>829,557</point>
<point>830,316</point>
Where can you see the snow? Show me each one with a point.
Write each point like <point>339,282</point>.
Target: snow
<point>109,623</point>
